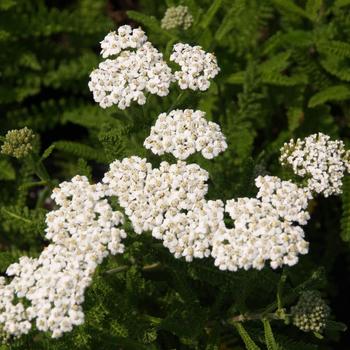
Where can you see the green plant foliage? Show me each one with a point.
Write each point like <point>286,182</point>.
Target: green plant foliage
<point>269,337</point>
<point>284,73</point>
<point>248,341</point>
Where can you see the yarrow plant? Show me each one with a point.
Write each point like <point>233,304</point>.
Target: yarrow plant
<point>320,160</point>
<point>183,133</point>
<point>18,143</point>
<point>132,74</point>
<point>177,16</point>
<point>169,200</point>
<point>197,67</point>
<point>84,230</point>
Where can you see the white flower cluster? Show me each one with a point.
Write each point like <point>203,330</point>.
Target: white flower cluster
<point>167,201</point>
<point>184,132</point>
<point>177,16</point>
<point>84,231</point>
<point>197,66</point>
<point>127,77</point>
<point>136,67</point>
<point>265,228</point>
<point>126,38</point>
<point>322,161</point>
<point>170,202</point>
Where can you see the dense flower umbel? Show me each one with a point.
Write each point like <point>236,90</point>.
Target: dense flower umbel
<point>265,228</point>
<point>197,66</point>
<point>319,159</point>
<point>137,67</point>
<point>311,312</point>
<point>132,73</point>
<point>84,230</point>
<point>162,200</point>
<point>184,132</point>
<point>125,38</point>
<point>177,16</point>
<point>18,143</point>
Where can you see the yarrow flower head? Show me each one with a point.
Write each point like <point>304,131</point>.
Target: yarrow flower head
<point>184,132</point>
<point>125,38</point>
<point>177,16</point>
<point>84,230</point>
<point>320,160</point>
<point>197,66</point>
<point>311,312</point>
<point>265,228</point>
<point>167,201</point>
<point>127,77</point>
<point>18,143</point>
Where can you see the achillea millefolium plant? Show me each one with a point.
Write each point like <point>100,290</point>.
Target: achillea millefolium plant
<point>186,189</point>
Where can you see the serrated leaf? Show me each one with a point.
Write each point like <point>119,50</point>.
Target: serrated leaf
<point>341,3</point>
<point>277,63</point>
<point>314,8</point>
<point>236,78</point>
<point>295,117</point>
<point>290,6</point>
<point>82,151</point>
<point>269,337</point>
<point>284,80</point>
<point>293,38</point>
<point>338,48</point>
<point>226,25</point>
<point>7,172</point>
<point>209,15</point>
<point>333,93</point>
<point>248,341</point>
<point>48,151</point>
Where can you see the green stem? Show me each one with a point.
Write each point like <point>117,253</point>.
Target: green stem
<point>40,170</point>
<point>18,217</point>
<point>122,268</point>
<point>280,290</point>
<point>33,184</point>
<point>256,316</point>
<point>153,319</point>
<point>179,97</point>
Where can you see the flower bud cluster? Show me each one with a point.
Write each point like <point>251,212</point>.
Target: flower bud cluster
<point>322,161</point>
<point>177,16</point>
<point>311,312</point>
<point>197,67</point>
<point>265,228</point>
<point>84,230</point>
<point>18,143</point>
<point>127,77</point>
<point>184,132</point>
